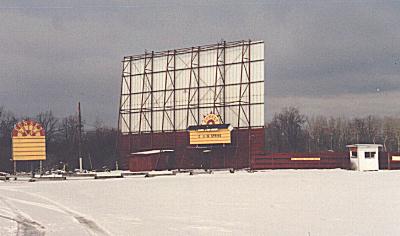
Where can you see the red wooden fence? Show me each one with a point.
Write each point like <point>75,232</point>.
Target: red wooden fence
<point>320,160</point>
<point>389,160</point>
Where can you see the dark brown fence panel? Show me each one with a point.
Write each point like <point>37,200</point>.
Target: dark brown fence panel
<point>394,158</point>
<point>383,160</point>
<point>321,160</point>
<point>389,160</point>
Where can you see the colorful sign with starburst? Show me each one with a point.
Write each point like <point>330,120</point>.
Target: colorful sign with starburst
<point>28,141</point>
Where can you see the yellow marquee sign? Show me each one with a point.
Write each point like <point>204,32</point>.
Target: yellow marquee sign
<point>28,141</point>
<point>220,136</point>
<point>211,131</point>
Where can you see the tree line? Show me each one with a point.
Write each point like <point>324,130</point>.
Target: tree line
<point>98,143</point>
<point>291,131</point>
<point>288,131</point>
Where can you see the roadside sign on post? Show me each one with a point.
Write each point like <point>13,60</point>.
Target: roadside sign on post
<point>28,141</point>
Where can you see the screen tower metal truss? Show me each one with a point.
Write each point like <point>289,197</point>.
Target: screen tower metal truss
<point>170,90</point>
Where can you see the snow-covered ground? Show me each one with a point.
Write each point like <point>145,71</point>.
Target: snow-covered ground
<point>275,202</point>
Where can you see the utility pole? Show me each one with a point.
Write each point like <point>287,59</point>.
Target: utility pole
<point>79,137</point>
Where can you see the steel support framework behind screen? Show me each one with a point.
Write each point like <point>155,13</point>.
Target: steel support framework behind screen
<point>171,90</point>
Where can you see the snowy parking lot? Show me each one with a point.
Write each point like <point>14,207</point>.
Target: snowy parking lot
<point>272,202</point>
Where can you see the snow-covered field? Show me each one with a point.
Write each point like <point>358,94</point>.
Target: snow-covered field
<point>275,202</point>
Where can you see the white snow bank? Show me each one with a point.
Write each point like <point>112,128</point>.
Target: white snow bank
<point>109,174</point>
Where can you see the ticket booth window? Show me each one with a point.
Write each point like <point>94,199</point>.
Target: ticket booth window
<point>353,154</point>
<point>369,154</point>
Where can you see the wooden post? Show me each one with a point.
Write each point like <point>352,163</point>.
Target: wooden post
<point>33,172</point>
<point>90,162</point>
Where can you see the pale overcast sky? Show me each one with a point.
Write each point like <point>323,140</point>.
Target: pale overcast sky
<point>339,58</point>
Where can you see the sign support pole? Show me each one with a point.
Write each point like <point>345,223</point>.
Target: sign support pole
<point>80,165</point>
<point>33,172</point>
<point>79,137</point>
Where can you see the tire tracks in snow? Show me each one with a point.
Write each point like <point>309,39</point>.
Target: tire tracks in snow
<point>91,227</point>
<point>25,225</point>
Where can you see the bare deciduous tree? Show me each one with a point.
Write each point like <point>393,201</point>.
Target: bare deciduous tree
<point>49,123</point>
<point>286,130</point>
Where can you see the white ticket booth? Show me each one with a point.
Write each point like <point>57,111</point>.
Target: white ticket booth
<point>364,156</point>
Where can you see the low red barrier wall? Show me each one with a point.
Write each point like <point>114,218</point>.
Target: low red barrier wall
<point>389,160</point>
<point>320,160</point>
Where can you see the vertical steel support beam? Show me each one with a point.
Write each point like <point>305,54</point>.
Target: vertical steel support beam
<point>198,84</point>
<point>193,90</point>
<point>165,93</point>
<point>219,83</point>
<point>143,86</point>
<point>119,129</point>
<point>147,88</point>
<point>168,95</point>
<point>239,106</point>
<point>130,105</point>
<point>174,91</point>
<point>188,111</point>
<point>240,86</point>
<point>244,85</point>
<point>152,100</point>
<point>224,83</point>
<point>215,95</point>
<point>152,93</point>
<point>249,115</point>
<point>249,83</point>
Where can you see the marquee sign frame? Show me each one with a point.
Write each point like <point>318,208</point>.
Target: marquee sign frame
<point>28,141</point>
